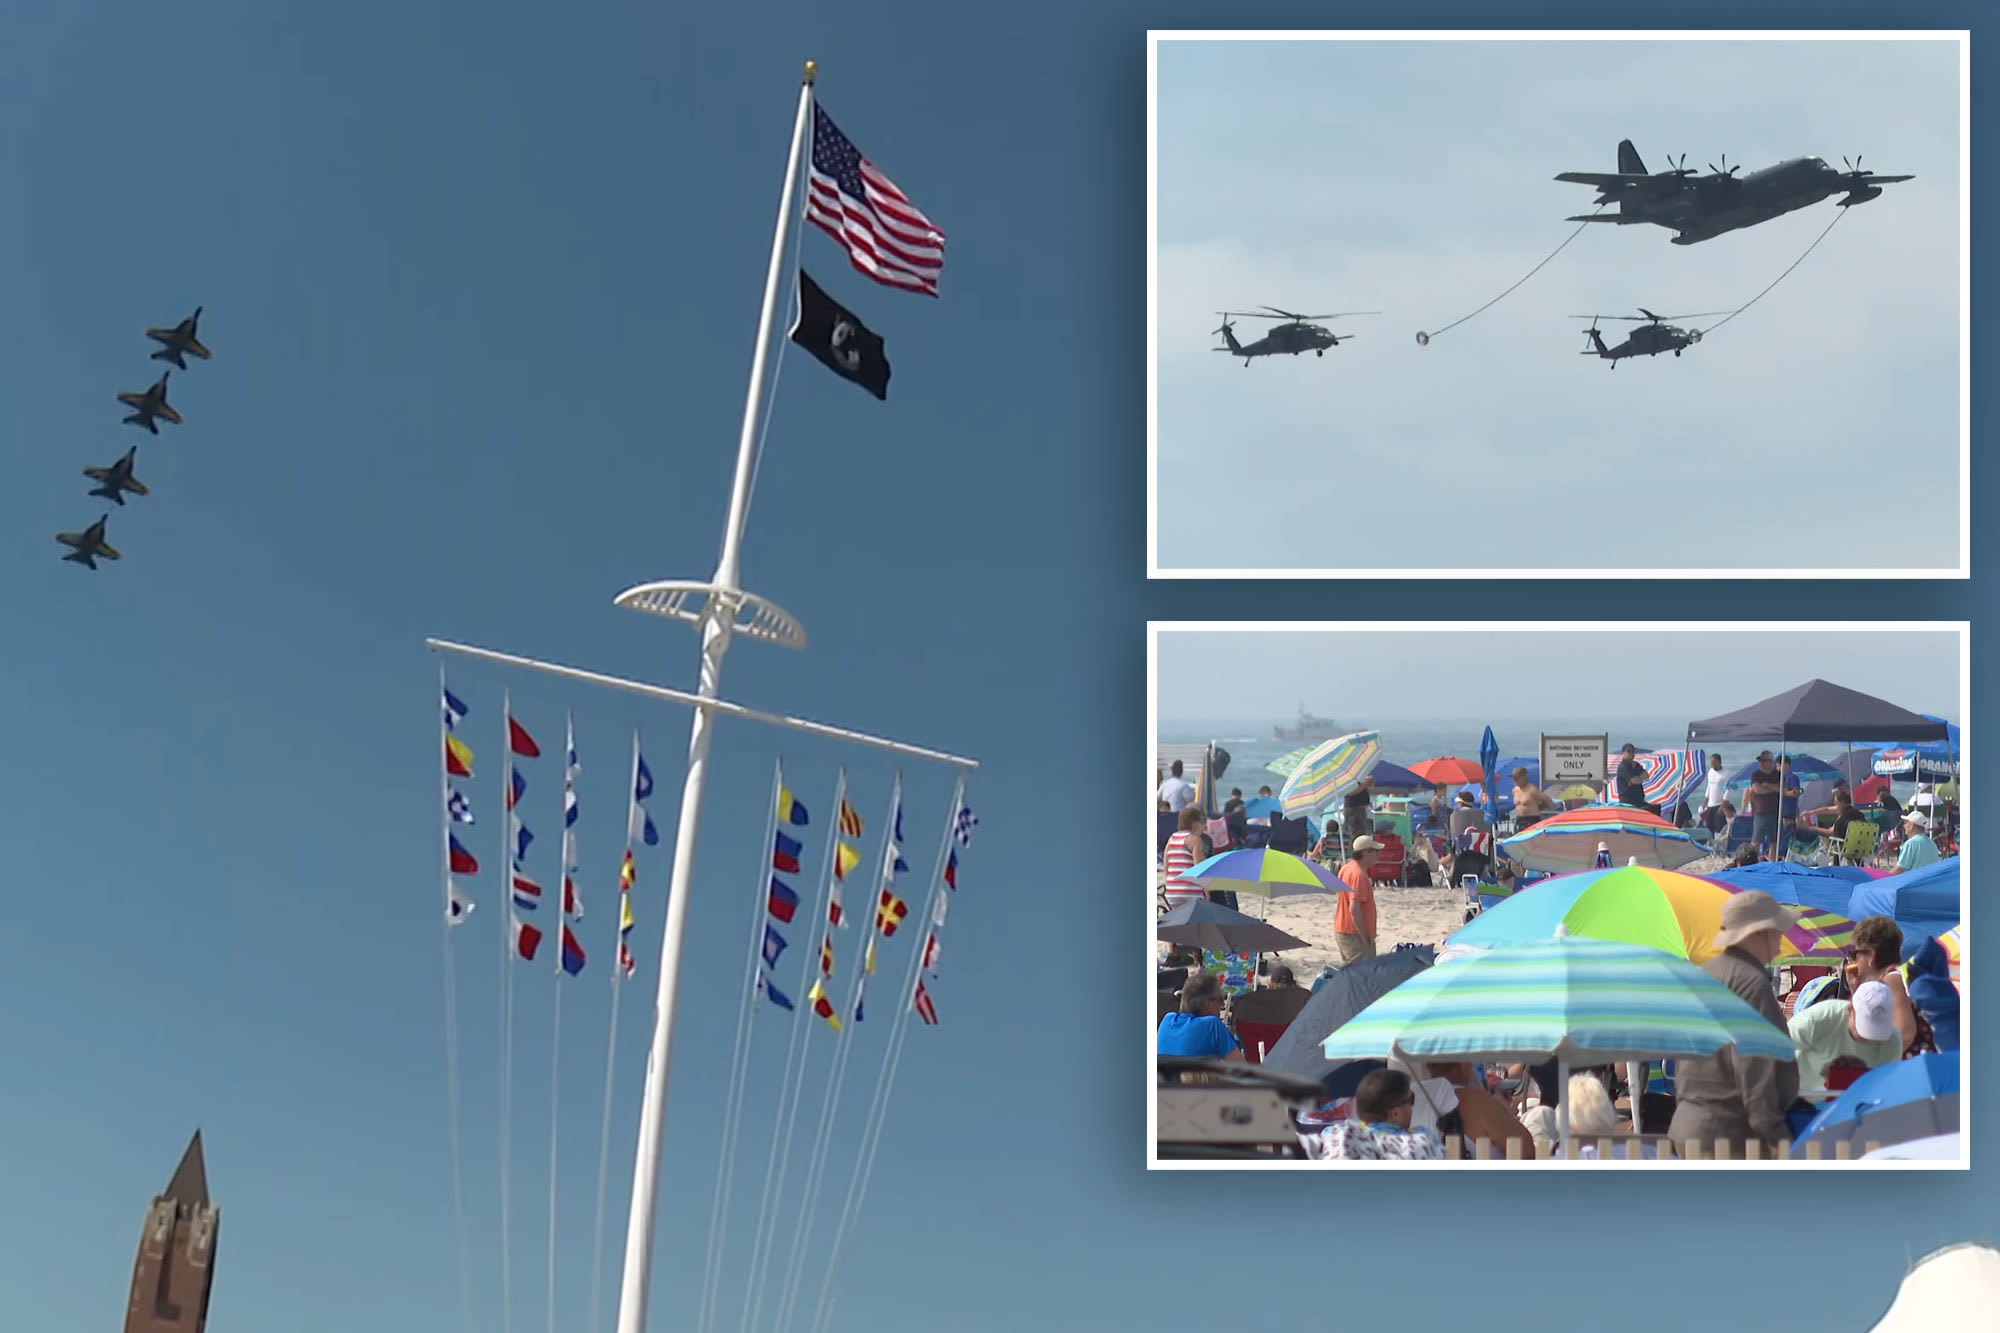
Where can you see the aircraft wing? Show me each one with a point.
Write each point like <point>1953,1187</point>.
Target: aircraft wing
<point>1881,180</point>
<point>1615,182</point>
<point>136,486</point>
<point>106,551</point>
<point>168,413</point>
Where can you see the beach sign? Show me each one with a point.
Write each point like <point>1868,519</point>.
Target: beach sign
<point>1572,759</point>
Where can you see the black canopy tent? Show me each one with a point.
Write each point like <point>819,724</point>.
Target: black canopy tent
<point>1819,711</point>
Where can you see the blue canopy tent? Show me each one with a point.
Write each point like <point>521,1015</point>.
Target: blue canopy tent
<point>1923,902</point>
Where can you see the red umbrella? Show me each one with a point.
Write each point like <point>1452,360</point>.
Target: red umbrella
<point>1446,771</point>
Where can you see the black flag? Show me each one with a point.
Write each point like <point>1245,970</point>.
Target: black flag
<point>841,342</point>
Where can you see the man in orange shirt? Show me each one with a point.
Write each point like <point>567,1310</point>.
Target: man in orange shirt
<point>1354,906</point>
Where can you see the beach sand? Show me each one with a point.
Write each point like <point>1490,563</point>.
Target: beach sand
<point>1402,916</point>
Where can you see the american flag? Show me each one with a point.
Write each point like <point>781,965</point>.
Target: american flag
<point>850,199</point>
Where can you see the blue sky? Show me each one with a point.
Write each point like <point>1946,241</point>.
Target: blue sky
<point>481,285</point>
<point>1531,674</point>
<point>1268,196</point>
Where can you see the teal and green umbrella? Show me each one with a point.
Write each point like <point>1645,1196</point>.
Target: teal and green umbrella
<point>1264,873</point>
<point>1582,1001</point>
<point>1330,771</point>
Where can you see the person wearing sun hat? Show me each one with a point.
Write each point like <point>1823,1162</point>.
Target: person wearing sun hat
<point>1730,1097</point>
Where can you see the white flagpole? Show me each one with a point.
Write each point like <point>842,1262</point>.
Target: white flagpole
<point>716,629</point>
<point>555,1041</point>
<point>506,1003</point>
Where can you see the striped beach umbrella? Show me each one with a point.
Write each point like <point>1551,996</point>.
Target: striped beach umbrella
<point>1330,770</point>
<point>1663,909</point>
<point>1265,873</point>
<point>1953,944</point>
<point>1568,841</point>
<point>1584,1002</point>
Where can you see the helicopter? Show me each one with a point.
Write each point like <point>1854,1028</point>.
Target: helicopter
<point>1297,334</point>
<point>1653,336</point>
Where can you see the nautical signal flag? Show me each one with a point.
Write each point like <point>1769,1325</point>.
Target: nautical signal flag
<point>966,823</point>
<point>572,900</point>
<point>868,960</point>
<point>774,944</point>
<point>625,962</point>
<point>520,742</point>
<point>937,916</point>
<point>625,921</point>
<point>627,873</point>
<point>834,915</point>
<point>572,952</point>
<point>454,710</point>
<point>642,827</point>
<point>921,1002</point>
<point>784,901</point>
<point>845,858</point>
<point>890,913</point>
<point>527,893</point>
<point>893,863</point>
<point>462,862</point>
<point>460,808</point>
<point>785,855</point>
<point>521,840</point>
<point>775,995</point>
<point>826,956</point>
<point>642,781</point>
<point>641,824</point>
<point>791,810</point>
<point>950,872</point>
<point>823,1006</point>
<point>850,822</point>
<point>885,235</point>
<point>457,757</point>
<point>931,954</point>
<point>838,339</point>
<point>517,786</point>
<point>527,939</point>
<point>859,997</point>
<point>456,907</point>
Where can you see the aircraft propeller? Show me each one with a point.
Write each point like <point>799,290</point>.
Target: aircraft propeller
<point>1727,172</point>
<point>1679,168</point>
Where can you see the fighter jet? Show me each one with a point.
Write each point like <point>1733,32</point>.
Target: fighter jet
<point>179,340</point>
<point>89,546</point>
<point>150,406</point>
<point>117,479</point>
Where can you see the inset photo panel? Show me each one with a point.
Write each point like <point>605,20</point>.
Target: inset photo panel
<point>1505,304</point>
<point>1558,896</point>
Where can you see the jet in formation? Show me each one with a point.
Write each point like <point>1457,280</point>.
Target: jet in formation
<point>151,406</point>
<point>88,547</point>
<point>181,341</point>
<point>1698,208</point>
<point>114,482</point>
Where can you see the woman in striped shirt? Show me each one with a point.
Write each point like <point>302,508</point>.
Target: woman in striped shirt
<point>1187,847</point>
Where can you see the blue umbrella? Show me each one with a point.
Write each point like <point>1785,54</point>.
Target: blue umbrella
<point>1394,777</point>
<point>1922,902</point>
<point>1527,761</point>
<point>1489,755</point>
<point>1263,807</point>
<point>1822,888</point>
<point>1936,749</point>
<point>1805,768</point>
<point>1894,1103</point>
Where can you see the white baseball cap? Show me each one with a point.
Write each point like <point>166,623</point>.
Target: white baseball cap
<point>1912,817</point>
<point>1874,1012</point>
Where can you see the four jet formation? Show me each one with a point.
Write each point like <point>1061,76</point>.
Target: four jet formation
<point>1693,206</point>
<point>149,408</point>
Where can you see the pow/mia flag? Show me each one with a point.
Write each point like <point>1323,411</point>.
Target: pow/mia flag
<point>840,341</point>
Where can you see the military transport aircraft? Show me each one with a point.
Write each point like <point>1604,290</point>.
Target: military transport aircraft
<point>89,546</point>
<point>180,340</point>
<point>116,480</point>
<point>1653,336</point>
<point>150,406</point>
<point>1698,208</point>
<point>1296,335</point>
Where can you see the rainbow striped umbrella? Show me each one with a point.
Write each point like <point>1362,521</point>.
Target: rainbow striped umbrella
<point>1584,1002</point>
<point>1662,909</point>
<point>1568,841</point>
<point>1330,770</point>
<point>1265,873</point>
<point>1953,944</point>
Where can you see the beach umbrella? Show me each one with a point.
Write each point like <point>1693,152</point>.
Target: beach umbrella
<point>1262,807</point>
<point>1953,944</point>
<point>1921,902</point>
<point>1806,768</point>
<point>1578,791</point>
<point>1893,1103</point>
<point>1568,840</point>
<point>1505,768</point>
<point>1329,770</point>
<point>1581,1001</point>
<point>1446,770</point>
<point>1396,778</point>
<point>1821,888</point>
<point>1206,925</point>
<point>1489,757</point>
<point>1265,873</point>
<point>1345,994</point>
<point>1662,909</point>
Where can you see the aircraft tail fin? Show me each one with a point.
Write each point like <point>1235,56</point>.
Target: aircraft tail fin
<point>1629,163</point>
<point>1229,336</point>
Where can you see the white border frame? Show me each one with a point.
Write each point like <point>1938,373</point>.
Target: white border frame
<point>1155,36</point>
<point>1963,628</point>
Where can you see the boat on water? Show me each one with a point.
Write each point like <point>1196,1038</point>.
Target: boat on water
<point>1308,728</point>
